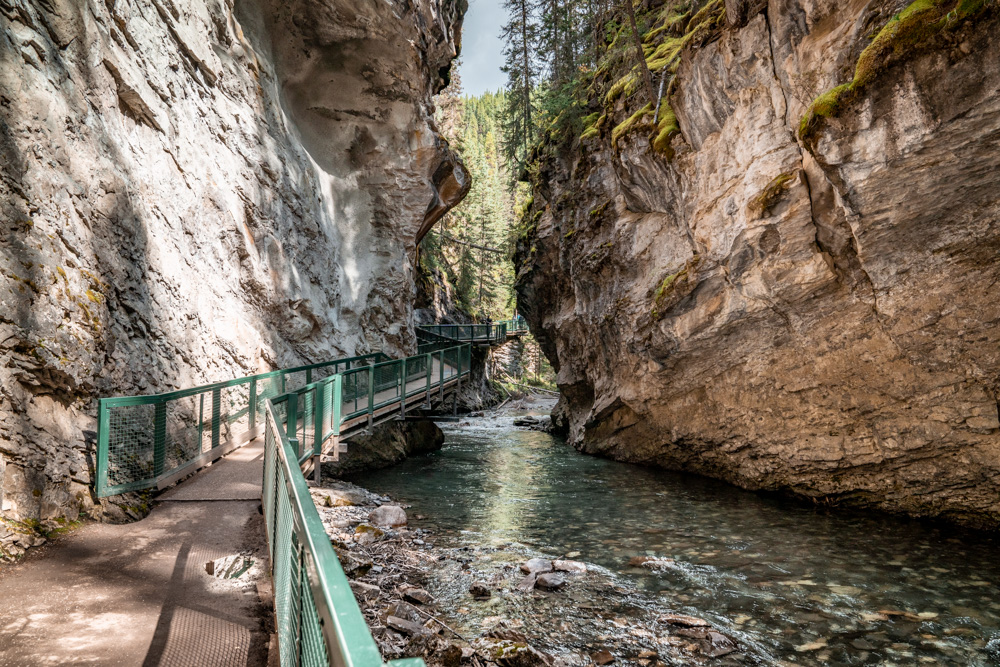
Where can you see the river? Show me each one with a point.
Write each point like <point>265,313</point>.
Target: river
<point>792,583</point>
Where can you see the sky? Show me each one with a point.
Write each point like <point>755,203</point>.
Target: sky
<point>482,50</point>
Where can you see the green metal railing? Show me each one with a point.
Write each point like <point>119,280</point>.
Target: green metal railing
<point>470,333</point>
<point>152,441</point>
<point>517,325</point>
<point>317,616</point>
<point>318,619</point>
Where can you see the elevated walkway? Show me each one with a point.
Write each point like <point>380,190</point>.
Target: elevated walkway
<point>140,594</point>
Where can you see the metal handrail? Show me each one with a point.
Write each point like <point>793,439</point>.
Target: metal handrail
<point>318,619</point>
<point>476,333</point>
<point>141,447</point>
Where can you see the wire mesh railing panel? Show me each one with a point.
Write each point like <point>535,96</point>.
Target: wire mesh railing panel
<point>313,648</point>
<point>234,412</point>
<point>296,380</point>
<point>130,446</point>
<point>183,431</point>
<point>355,392</point>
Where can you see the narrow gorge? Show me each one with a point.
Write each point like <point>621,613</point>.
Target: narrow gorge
<point>789,281</point>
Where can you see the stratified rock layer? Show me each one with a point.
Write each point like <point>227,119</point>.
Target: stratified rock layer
<point>195,190</point>
<point>816,315</point>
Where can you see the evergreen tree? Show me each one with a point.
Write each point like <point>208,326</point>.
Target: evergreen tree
<point>519,35</point>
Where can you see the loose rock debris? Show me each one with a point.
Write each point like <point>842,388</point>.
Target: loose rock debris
<point>390,566</point>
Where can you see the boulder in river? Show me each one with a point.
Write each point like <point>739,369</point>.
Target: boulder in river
<point>573,566</point>
<point>711,643</point>
<point>388,515</point>
<point>536,566</point>
<point>550,581</point>
<point>684,621</point>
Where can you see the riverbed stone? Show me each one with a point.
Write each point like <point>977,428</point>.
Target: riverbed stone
<point>550,581</point>
<point>388,516</point>
<point>683,621</point>
<point>536,566</point>
<point>573,566</point>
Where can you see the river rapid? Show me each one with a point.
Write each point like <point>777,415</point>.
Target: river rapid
<point>792,584</point>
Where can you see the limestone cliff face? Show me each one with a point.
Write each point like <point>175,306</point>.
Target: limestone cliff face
<point>194,190</point>
<point>805,306</point>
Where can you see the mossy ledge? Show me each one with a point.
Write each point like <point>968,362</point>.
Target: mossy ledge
<point>906,34</point>
<point>769,197</point>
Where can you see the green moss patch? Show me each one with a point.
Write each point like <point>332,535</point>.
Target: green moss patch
<point>909,32</point>
<point>630,124</point>
<point>773,193</point>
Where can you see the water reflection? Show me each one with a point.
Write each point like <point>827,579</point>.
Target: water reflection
<point>804,585</point>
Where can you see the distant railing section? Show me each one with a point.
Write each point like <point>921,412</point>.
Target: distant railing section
<point>491,334</point>
<point>516,326</point>
<point>152,441</point>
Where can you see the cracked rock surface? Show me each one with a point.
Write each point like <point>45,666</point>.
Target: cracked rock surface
<point>813,316</point>
<point>197,190</point>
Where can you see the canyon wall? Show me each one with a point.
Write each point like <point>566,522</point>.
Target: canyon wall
<point>196,190</point>
<point>799,289</point>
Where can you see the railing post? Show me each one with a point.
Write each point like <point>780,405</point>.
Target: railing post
<point>338,397</point>
<point>371,395</point>
<point>159,439</point>
<point>292,422</point>
<point>216,416</point>
<point>441,381</point>
<point>103,440</point>
<point>318,433</point>
<point>253,406</point>
<point>402,393</point>
<point>430,372</point>
<point>458,383</point>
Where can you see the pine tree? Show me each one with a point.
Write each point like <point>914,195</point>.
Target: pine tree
<point>519,35</point>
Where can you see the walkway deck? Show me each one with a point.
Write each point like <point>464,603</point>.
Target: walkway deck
<point>139,594</point>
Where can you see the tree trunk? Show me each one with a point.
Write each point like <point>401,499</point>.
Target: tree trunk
<point>640,56</point>
<point>527,77</point>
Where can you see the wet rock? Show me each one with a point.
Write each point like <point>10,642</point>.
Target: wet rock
<point>526,421</point>
<point>508,653</point>
<point>684,621</point>
<point>365,591</point>
<point>711,643</point>
<point>528,583</point>
<point>416,595</point>
<point>573,566</point>
<point>405,627</point>
<point>536,566</point>
<point>550,581</point>
<point>479,590</point>
<point>603,658</point>
<point>388,515</point>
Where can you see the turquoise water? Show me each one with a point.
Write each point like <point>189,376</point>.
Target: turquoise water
<point>793,584</point>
